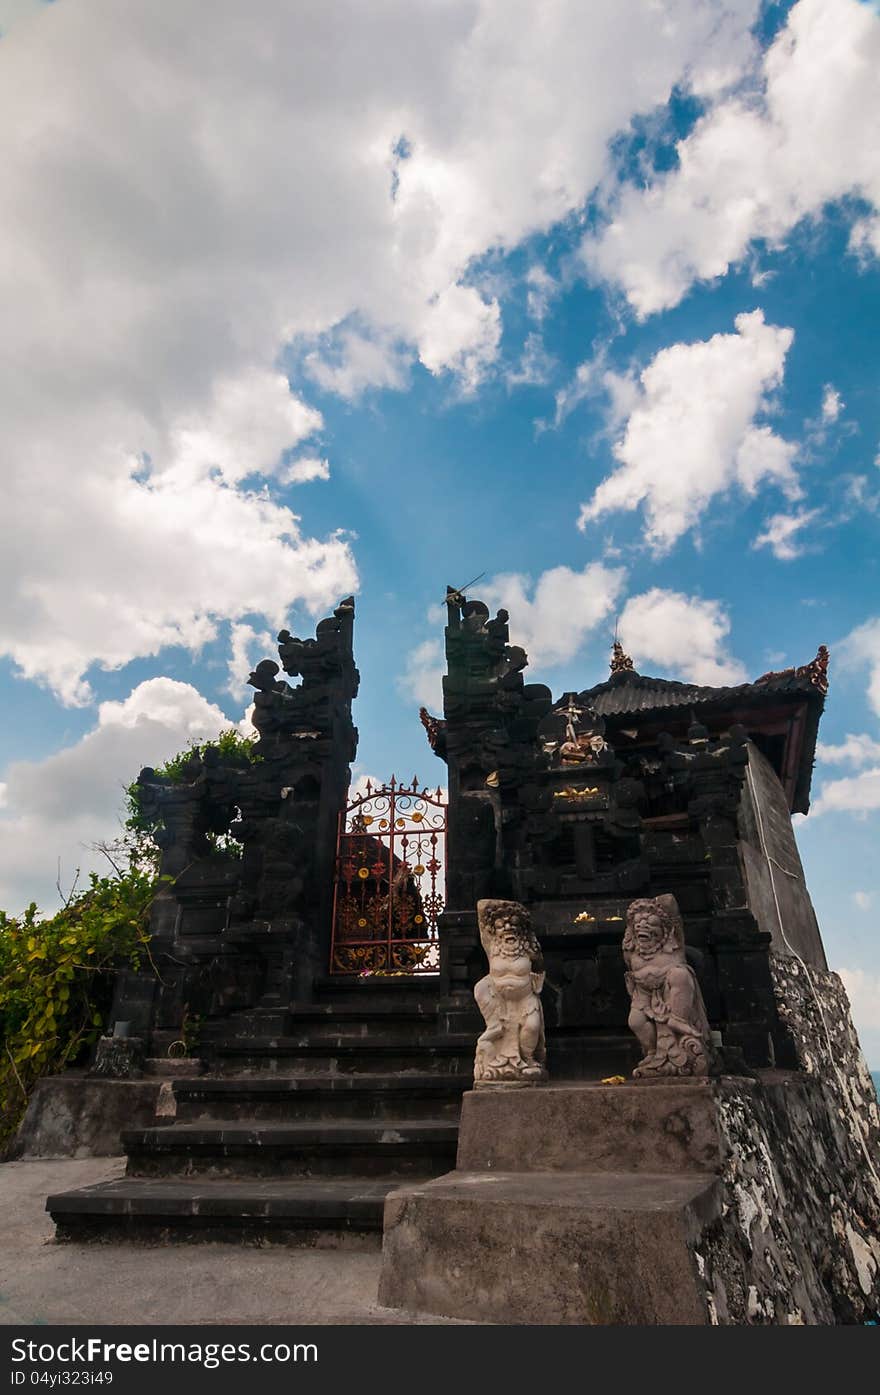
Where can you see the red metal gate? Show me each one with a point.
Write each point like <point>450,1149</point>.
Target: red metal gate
<point>390,885</point>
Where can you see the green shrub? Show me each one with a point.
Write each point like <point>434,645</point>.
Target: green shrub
<point>57,973</point>
<point>56,980</point>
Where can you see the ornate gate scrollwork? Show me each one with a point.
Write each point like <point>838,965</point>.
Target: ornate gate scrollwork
<point>390,882</point>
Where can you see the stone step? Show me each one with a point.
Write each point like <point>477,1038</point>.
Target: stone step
<point>305,1211</point>
<point>657,1126</point>
<point>330,1021</point>
<point>376,988</point>
<point>347,1009</point>
<point>317,1097</point>
<point>549,1247</point>
<point>255,1148</point>
<point>356,1016</point>
<point>380,1052</point>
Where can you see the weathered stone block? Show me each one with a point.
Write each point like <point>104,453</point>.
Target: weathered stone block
<point>548,1248</point>
<point>637,1127</point>
<point>76,1116</point>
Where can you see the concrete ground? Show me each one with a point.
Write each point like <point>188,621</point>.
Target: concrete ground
<point>42,1281</point>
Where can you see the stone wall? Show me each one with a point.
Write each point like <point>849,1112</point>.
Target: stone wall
<point>798,1237</point>
<point>75,1116</point>
<point>789,885</point>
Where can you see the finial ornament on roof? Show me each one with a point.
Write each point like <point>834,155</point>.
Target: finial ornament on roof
<point>819,669</point>
<point>816,671</point>
<point>620,661</point>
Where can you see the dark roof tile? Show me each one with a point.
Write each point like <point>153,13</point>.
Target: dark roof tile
<point>637,693</point>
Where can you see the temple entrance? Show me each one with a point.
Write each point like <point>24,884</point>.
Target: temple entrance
<point>390,882</point>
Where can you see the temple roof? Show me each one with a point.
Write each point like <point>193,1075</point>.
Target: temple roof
<point>780,709</point>
<point>638,693</point>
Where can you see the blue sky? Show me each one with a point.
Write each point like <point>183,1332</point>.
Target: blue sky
<point>385,297</point>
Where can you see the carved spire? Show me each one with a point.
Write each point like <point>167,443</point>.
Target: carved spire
<point>620,661</point>
<point>818,669</point>
<point>435,728</point>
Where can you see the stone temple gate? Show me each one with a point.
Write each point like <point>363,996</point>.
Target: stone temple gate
<point>572,804</point>
<point>330,970</point>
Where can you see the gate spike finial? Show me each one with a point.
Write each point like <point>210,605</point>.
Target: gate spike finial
<point>415,782</point>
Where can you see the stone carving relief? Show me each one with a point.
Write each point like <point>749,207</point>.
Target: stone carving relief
<point>581,739</point>
<point>667,1013</point>
<point>511,1051</point>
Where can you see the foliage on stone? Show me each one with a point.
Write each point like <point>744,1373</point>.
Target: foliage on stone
<point>140,842</point>
<point>233,748</point>
<point>56,979</point>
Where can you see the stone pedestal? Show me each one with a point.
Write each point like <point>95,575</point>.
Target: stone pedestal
<point>119,1058</point>
<point>547,1248</point>
<point>651,1202</point>
<point>569,1204</point>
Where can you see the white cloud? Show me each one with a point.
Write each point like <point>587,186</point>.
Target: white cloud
<point>246,724</point>
<point>422,678</point>
<point>354,361</point>
<point>593,378</point>
<point>858,497</point>
<point>305,469</point>
<point>250,421</point>
<point>758,162</point>
<point>692,432</point>
<point>184,201</point>
<point>781,533</point>
<point>855,794</point>
<point>565,607</point>
<point>862,647</point>
<point>832,403</point>
<point>534,367</point>
<point>853,750</point>
<point>551,619</point>
<point>685,635</point>
<point>541,290</point>
<point>57,807</point>
<point>106,563</point>
<point>863,990</point>
<point>461,332</point>
<point>247,647</point>
<point>13,12</point>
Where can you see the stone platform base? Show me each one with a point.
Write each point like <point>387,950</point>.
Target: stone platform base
<point>76,1115</point>
<point>545,1247</point>
<point>731,1200</point>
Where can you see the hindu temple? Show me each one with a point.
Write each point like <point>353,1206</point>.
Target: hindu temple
<point>293,1061</point>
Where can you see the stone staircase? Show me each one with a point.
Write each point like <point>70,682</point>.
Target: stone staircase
<point>307,1118</point>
